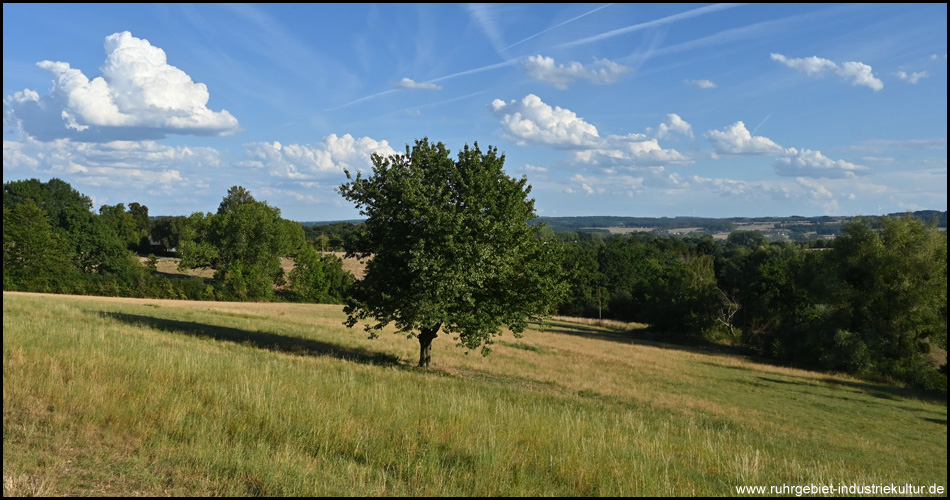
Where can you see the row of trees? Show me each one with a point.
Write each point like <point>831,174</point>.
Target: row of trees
<point>874,303</point>
<point>54,242</point>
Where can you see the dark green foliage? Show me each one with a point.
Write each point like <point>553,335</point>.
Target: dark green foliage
<point>243,243</point>
<point>73,250</point>
<point>450,247</point>
<point>330,237</point>
<point>890,296</point>
<point>167,231</point>
<point>35,257</point>
<point>94,246</point>
<point>122,223</point>
<point>236,197</point>
<point>874,304</point>
<point>319,278</point>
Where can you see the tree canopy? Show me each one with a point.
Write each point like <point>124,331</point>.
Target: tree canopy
<point>243,243</point>
<point>450,248</point>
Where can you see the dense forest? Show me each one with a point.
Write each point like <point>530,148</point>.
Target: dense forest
<point>872,301</point>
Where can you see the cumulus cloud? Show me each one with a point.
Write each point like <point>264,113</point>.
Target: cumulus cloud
<point>855,72</point>
<point>125,165</point>
<point>407,83</point>
<point>306,161</point>
<point>911,77</point>
<point>562,76</point>
<point>674,124</point>
<point>533,121</point>
<point>703,84</point>
<point>632,150</point>
<point>805,162</point>
<point>736,139</point>
<point>790,162</point>
<point>139,96</point>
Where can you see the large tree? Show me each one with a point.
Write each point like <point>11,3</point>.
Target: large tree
<point>449,248</point>
<point>34,253</point>
<point>888,298</point>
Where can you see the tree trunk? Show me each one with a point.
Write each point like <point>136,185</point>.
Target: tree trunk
<point>426,336</point>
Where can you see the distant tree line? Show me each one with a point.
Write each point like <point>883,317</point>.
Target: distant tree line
<point>796,226</point>
<point>871,302</point>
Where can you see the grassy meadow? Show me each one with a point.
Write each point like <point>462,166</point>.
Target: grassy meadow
<point>116,397</point>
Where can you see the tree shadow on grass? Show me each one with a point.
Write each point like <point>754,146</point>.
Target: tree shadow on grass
<point>680,342</point>
<point>257,339</point>
<point>647,337</point>
<point>890,392</point>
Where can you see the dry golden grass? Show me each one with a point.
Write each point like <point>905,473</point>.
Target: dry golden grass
<point>353,265</point>
<point>609,324</point>
<point>191,398</point>
<point>169,266</point>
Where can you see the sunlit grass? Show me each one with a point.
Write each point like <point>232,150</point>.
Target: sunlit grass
<point>149,397</point>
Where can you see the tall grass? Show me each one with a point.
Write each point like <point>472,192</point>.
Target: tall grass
<point>149,397</point>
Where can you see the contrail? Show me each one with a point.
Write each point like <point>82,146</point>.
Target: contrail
<point>558,26</point>
<point>649,24</point>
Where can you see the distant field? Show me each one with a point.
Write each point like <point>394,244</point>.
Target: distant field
<point>624,230</point>
<point>143,397</point>
<point>169,266</point>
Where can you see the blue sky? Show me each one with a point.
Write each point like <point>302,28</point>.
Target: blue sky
<point>713,110</point>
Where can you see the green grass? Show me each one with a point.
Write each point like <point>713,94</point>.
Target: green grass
<point>147,397</point>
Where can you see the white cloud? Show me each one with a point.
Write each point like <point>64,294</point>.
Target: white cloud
<point>532,168</point>
<point>911,77</point>
<point>126,166</point>
<point>803,191</point>
<point>703,84</point>
<point>728,187</point>
<point>856,72</point>
<point>736,139</point>
<point>811,66</point>
<point>272,192</point>
<point>533,121</point>
<point>631,151</point>
<point>820,194</point>
<point>15,158</point>
<point>138,96</point>
<point>585,183</point>
<point>407,83</point>
<point>676,124</point>
<point>561,76</point>
<point>303,161</point>
<point>860,74</point>
<point>806,162</point>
